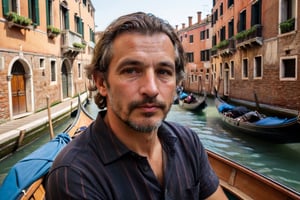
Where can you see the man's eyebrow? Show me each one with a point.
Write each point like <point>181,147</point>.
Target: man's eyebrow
<point>129,61</point>
<point>167,63</point>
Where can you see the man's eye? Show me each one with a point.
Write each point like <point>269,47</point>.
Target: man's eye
<point>165,72</point>
<point>129,71</point>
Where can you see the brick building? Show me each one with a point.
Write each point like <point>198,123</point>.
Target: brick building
<point>196,41</point>
<point>256,51</point>
<point>44,46</point>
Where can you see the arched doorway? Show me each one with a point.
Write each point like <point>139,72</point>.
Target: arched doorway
<point>18,86</point>
<point>65,81</point>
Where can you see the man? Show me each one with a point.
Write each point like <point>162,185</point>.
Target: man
<point>130,152</point>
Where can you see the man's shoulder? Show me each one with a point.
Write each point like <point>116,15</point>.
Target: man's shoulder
<point>178,130</point>
<point>176,127</point>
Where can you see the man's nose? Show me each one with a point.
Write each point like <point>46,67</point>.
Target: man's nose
<point>149,83</point>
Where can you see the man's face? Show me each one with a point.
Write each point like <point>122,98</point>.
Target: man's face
<point>141,81</point>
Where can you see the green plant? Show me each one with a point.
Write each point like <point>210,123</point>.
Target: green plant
<point>18,19</point>
<point>53,30</point>
<point>78,45</point>
<point>240,35</point>
<point>222,44</point>
<point>287,26</point>
<point>246,33</point>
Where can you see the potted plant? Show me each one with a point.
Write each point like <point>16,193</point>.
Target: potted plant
<point>78,45</point>
<point>17,20</point>
<point>287,26</point>
<point>52,31</point>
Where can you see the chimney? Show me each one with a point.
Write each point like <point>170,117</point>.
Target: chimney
<point>183,25</point>
<point>190,21</point>
<point>199,17</point>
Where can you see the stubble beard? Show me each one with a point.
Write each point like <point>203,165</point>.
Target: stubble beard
<point>142,127</point>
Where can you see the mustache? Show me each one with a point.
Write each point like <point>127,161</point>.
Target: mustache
<point>147,100</point>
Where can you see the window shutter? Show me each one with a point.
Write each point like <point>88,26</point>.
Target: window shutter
<point>37,12</point>
<point>5,7</point>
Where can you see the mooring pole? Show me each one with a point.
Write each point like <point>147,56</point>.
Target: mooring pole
<point>49,119</point>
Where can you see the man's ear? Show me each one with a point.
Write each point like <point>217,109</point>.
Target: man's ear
<point>100,83</point>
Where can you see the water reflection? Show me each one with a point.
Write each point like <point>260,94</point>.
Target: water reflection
<point>280,162</point>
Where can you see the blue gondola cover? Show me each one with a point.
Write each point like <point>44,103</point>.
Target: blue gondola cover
<point>32,167</point>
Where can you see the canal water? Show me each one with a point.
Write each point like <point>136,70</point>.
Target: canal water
<point>280,162</point>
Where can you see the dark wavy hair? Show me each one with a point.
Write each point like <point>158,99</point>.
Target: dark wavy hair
<point>138,22</point>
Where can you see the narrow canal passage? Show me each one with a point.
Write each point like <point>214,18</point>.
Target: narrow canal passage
<point>281,162</point>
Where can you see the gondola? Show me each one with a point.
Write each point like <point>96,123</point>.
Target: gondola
<point>25,179</point>
<point>237,181</point>
<point>251,122</point>
<point>197,105</point>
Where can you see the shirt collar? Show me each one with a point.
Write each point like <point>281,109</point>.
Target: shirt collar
<point>110,148</point>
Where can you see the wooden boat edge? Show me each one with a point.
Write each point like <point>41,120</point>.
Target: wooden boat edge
<point>245,183</point>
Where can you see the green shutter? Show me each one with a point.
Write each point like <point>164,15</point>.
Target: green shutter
<point>30,10</point>
<point>67,20</point>
<point>37,12</point>
<point>48,21</point>
<point>82,29</point>
<point>5,7</point>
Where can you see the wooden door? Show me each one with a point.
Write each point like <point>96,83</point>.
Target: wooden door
<point>18,94</point>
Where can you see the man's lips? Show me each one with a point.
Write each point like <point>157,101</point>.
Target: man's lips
<point>149,107</point>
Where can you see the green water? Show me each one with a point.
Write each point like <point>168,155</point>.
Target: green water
<point>280,162</point>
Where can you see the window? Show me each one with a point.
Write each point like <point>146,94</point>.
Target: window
<point>245,69</point>
<point>221,9</point>
<point>202,35</point>
<point>53,70</point>
<point>222,34</point>
<point>78,25</point>
<point>191,38</point>
<point>42,63</point>
<point>190,57</point>
<point>92,35</point>
<point>287,15</point>
<point>204,55</point>
<point>221,70</point>
<point>256,13</point>
<point>65,16</point>
<point>9,5</point>
<point>242,22</point>
<point>288,68</point>
<point>230,28</point>
<point>257,67</point>
<point>230,3</point>
<point>232,69</point>
<point>33,6</point>
<point>49,16</point>
<point>79,71</point>
<point>207,75</point>
<point>214,40</point>
<point>207,33</point>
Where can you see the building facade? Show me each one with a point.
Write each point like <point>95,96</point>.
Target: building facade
<point>44,46</point>
<point>196,41</point>
<point>255,54</point>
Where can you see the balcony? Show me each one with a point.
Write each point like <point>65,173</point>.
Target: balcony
<point>228,49</point>
<point>250,37</point>
<point>70,38</point>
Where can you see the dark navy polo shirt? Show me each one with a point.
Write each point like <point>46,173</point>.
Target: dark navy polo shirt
<point>96,165</point>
